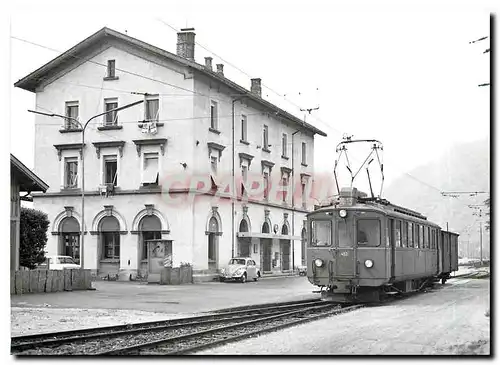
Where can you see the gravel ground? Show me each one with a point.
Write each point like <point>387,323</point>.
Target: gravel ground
<point>27,321</point>
<point>115,303</point>
<point>447,320</point>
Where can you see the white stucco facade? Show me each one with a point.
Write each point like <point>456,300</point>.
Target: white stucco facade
<point>185,144</point>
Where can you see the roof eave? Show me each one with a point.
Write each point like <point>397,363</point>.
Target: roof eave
<point>37,183</point>
<point>30,81</point>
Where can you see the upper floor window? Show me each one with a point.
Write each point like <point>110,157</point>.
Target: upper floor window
<point>110,170</point>
<point>244,173</point>
<point>151,169</point>
<point>152,108</point>
<point>284,182</point>
<point>72,113</point>
<point>214,114</point>
<point>112,117</point>
<point>266,185</point>
<point>71,172</point>
<point>243,127</point>
<point>284,143</point>
<point>111,69</point>
<point>213,164</point>
<point>265,139</point>
<point>304,153</point>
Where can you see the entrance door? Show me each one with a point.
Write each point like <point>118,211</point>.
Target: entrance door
<point>159,257</point>
<point>244,247</point>
<point>266,254</point>
<point>212,252</point>
<point>285,255</point>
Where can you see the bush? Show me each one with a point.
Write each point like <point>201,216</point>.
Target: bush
<point>33,237</point>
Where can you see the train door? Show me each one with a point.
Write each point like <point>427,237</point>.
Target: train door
<point>392,244</point>
<point>344,253</point>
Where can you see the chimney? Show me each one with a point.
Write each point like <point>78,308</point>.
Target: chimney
<point>220,69</point>
<point>255,88</point>
<point>185,43</point>
<point>208,63</point>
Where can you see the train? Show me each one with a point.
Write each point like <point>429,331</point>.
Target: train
<point>364,249</point>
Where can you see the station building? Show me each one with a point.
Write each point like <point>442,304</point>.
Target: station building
<point>182,166</point>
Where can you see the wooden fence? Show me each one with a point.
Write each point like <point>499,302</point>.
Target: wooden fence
<point>47,281</point>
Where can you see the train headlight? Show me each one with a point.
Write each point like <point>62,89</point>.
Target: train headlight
<point>343,213</point>
<point>368,263</point>
<point>318,262</point>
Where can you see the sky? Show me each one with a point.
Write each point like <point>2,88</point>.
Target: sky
<point>403,73</point>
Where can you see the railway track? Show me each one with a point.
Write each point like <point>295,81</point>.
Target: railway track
<point>145,337</point>
<point>107,340</point>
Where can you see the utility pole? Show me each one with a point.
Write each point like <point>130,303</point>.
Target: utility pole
<point>309,110</point>
<point>487,50</point>
<point>479,213</point>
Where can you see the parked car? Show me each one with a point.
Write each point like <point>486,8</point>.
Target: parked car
<point>302,270</point>
<point>240,269</point>
<point>59,263</point>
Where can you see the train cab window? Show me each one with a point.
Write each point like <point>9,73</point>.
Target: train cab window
<point>368,232</point>
<point>344,234</point>
<point>398,233</point>
<point>321,232</point>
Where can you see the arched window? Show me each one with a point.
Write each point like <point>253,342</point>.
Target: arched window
<point>213,225</point>
<point>150,229</point>
<point>265,227</point>
<point>243,226</point>
<point>70,238</point>
<point>284,230</point>
<point>109,229</point>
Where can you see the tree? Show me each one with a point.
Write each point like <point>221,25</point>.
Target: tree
<point>33,237</point>
<point>487,202</point>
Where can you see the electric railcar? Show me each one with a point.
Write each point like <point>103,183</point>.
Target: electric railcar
<point>360,249</point>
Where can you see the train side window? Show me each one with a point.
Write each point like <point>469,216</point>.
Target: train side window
<point>388,233</point>
<point>398,233</point>
<point>321,233</point>
<point>428,236</point>
<point>410,234</point>
<point>424,238</point>
<point>405,234</point>
<point>416,232</point>
<point>368,232</point>
<point>421,236</point>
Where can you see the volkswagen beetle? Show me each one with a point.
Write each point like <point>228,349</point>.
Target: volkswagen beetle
<point>240,269</point>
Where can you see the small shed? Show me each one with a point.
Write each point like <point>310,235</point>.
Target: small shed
<point>22,180</point>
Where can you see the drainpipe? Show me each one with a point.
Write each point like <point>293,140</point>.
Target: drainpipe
<point>232,179</point>
<point>293,202</point>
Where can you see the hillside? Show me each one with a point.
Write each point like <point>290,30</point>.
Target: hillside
<point>466,167</point>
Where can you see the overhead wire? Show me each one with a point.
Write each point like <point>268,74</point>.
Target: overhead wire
<point>331,128</point>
